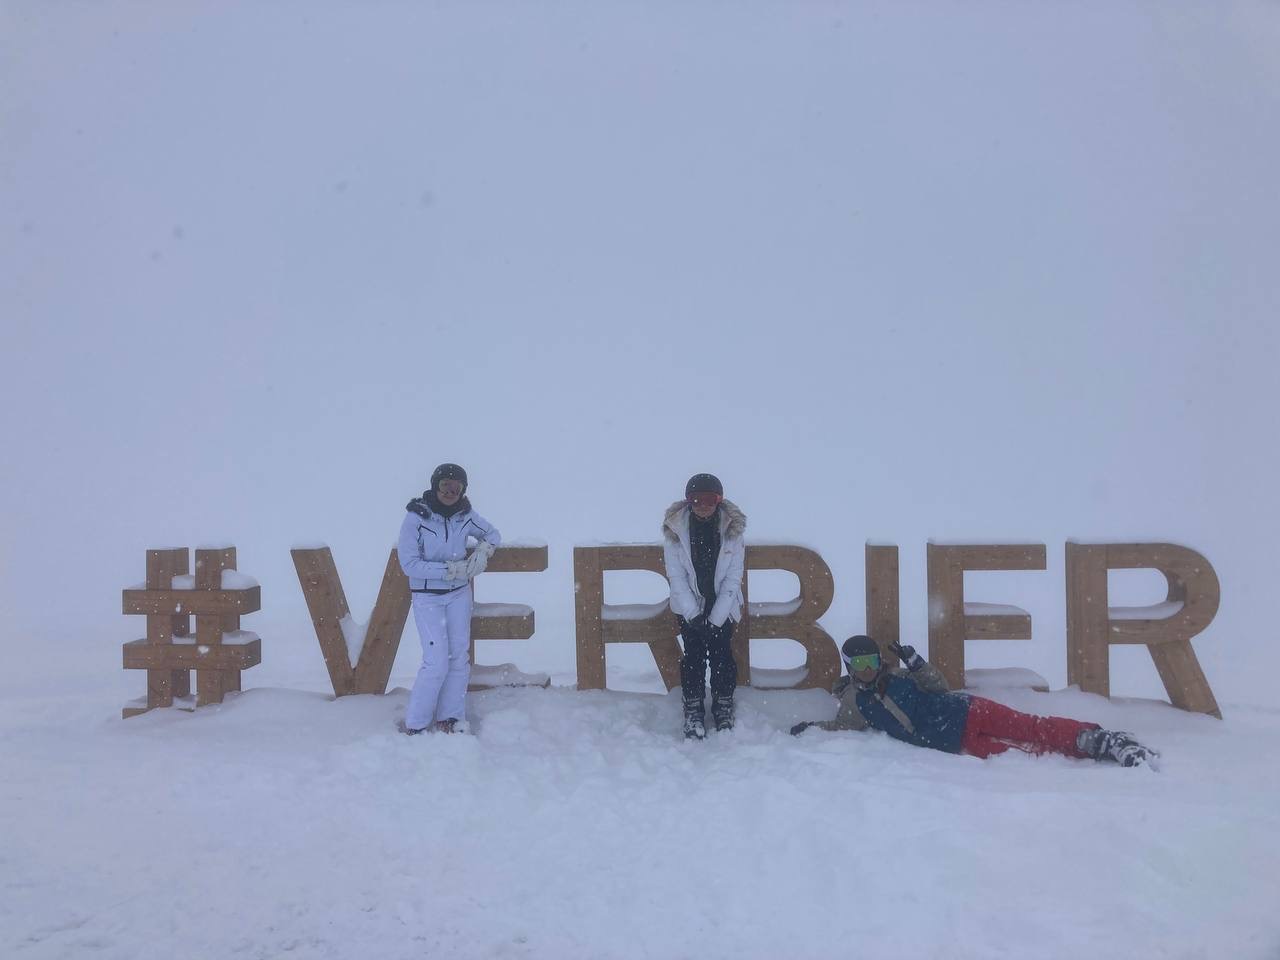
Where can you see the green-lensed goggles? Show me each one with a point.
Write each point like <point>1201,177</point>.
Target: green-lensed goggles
<point>864,661</point>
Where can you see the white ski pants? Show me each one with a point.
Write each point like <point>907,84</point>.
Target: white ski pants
<point>444,627</point>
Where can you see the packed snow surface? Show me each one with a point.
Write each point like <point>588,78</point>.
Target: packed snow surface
<point>581,825</point>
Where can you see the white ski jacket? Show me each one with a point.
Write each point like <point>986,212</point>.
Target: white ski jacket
<point>428,541</point>
<point>686,600</point>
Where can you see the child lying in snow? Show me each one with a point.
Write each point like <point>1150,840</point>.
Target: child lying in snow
<point>915,705</point>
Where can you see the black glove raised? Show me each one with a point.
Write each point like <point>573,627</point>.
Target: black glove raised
<point>908,655</point>
<point>800,728</point>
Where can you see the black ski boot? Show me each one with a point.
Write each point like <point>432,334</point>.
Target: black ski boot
<point>694,712</point>
<point>722,712</point>
<point>1116,746</point>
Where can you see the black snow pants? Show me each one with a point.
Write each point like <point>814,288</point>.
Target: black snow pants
<point>702,643</point>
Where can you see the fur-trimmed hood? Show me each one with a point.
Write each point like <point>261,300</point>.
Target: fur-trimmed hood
<point>427,504</point>
<point>737,520</point>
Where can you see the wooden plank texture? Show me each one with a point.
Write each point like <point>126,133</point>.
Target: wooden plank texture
<point>594,631</point>
<point>327,604</point>
<point>1092,626</point>
<point>240,655</point>
<point>883,605</point>
<point>168,611</point>
<point>800,622</point>
<point>949,627</point>
<point>197,602</point>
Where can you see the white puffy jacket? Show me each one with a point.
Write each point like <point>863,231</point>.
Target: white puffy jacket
<point>428,541</point>
<point>686,600</point>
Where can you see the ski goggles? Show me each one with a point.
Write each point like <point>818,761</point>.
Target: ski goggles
<point>863,661</point>
<point>704,499</point>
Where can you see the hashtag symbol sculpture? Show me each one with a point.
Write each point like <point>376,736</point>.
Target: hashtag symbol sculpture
<point>217,596</point>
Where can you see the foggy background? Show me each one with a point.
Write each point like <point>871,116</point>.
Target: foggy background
<point>983,272</point>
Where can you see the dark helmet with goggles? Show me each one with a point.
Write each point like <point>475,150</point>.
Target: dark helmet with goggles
<point>861,653</point>
<point>448,471</point>
<point>704,489</point>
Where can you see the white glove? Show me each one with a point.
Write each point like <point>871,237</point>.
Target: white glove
<point>455,569</point>
<point>479,559</point>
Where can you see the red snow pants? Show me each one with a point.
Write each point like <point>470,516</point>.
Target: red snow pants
<point>994,728</point>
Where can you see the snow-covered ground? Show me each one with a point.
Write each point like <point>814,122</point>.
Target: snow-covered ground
<point>580,825</point>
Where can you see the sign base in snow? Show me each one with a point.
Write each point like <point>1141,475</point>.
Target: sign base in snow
<point>217,596</point>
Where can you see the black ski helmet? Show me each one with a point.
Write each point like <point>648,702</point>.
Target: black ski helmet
<point>703,483</point>
<point>448,471</point>
<point>859,646</point>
